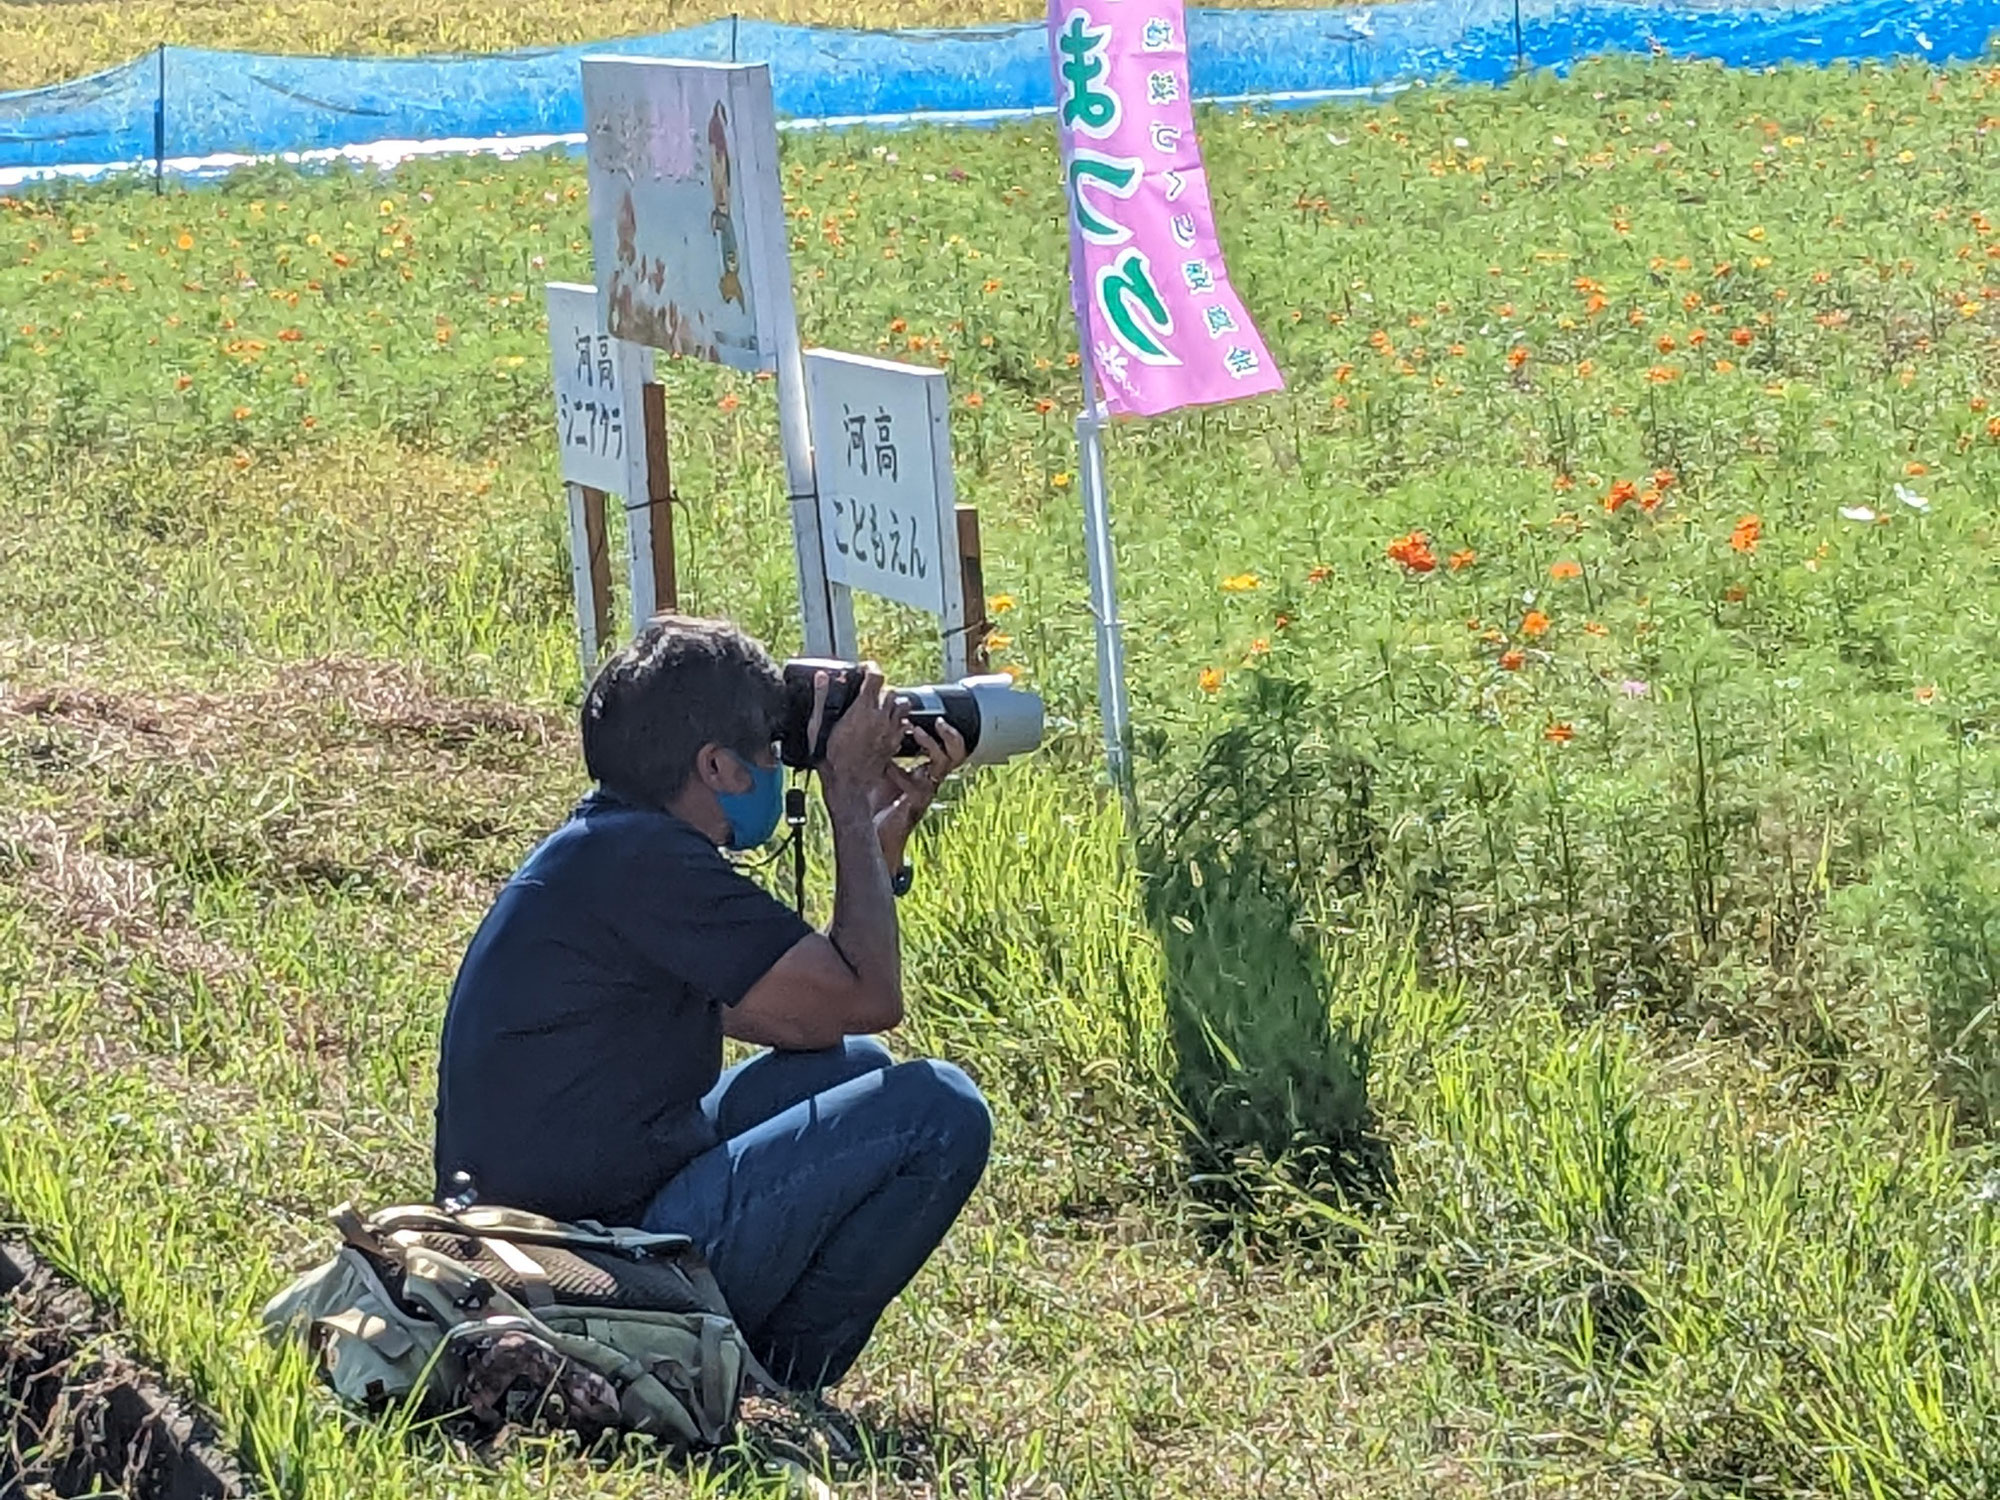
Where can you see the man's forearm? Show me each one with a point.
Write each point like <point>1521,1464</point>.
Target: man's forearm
<point>863,930</point>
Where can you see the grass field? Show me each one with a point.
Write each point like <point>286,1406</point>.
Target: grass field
<point>1590,659</point>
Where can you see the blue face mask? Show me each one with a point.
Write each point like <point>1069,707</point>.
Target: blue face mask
<point>753,815</point>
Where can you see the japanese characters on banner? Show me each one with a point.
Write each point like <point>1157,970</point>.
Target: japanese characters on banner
<point>1159,322</point>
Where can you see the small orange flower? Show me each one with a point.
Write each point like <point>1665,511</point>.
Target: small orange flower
<point>1735,594</point>
<point>974,400</point>
<point>1044,406</point>
<point>186,241</point>
<point>1663,479</point>
<point>1916,469</point>
<point>1516,357</point>
<point>182,382</point>
<point>1283,622</point>
<point>1566,569</point>
<point>1666,344</point>
<point>1698,337</point>
<point>1927,695</point>
<point>1623,493</point>
<point>728,401</point>
<point>1742,338</point>
<point>1459,561</point>
<point>1559,734</point>
<point>1725,367</point>
<point>1072,359</point>
<point>1534,624</point>
<point>898,325</point>
<point>1585,369</point>
<point>289,336</point>
<point>1745,537</point>
<point>1414,552</point>
<point>1663,375</point>
<point>341,260</point>
<point>1591,627</point>
<point>1650,500</point>
<point>1979,403</point>
<point>1564,484</point>
<point>1319,574</point>
<point>241,414</point>
<point>1512,661</point>
<point>1211,679</point>
<point>1259,646</point>
<point>310,423</point>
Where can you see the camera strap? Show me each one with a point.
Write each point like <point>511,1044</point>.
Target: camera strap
<point>795,819</point>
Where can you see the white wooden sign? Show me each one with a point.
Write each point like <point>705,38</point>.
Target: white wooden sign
<point>887,506</point>
<point>687,219</point>
<point>597,380</point>
<point>693,253</point>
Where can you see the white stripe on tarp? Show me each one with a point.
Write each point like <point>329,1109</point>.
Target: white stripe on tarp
<point>386,154</point>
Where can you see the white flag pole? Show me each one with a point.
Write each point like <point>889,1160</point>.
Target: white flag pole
<point>1112,701</point>
<point>1113,705</point>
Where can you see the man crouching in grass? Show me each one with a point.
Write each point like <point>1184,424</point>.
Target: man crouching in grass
<point>581,1068</point>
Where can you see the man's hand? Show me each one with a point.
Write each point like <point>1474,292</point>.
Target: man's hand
<point>904,796</point>
<point>861,748</point>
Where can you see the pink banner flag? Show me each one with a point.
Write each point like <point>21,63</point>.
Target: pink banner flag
<point>1159,322</point>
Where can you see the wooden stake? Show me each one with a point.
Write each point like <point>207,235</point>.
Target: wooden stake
<point>659,499</point>
<point>590,573</point>
<point>972,573</point>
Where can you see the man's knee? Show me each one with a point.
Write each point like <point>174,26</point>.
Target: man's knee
<point>949,1108</point>
<point>865,1055</point>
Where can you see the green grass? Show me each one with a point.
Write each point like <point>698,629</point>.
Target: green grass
<point>1666,918</point>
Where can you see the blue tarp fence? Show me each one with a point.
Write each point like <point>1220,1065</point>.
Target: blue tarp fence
<point>186,102</point>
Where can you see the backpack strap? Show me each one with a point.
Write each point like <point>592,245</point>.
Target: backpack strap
<point>534,1280</point>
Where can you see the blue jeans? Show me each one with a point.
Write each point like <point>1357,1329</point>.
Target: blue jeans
<point>838,1174</point>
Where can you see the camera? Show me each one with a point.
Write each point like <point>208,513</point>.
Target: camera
<point>996,718</point>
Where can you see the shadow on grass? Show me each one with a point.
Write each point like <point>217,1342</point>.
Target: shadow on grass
<point>1270,829</point>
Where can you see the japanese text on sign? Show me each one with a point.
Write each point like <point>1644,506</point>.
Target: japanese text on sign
<point>881,434</point>
<point>596,376</point>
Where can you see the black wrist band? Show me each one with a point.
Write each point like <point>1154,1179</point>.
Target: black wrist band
<point>902,880</point>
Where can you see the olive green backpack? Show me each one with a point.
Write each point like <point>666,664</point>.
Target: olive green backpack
<point>503,1316</point>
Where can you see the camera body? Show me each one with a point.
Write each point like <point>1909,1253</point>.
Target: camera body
<point>996,718</point>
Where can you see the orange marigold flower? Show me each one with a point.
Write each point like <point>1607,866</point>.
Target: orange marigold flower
<point>1414,552</point>
<point>1591,627</point>
<point>1663,374</point>
<point>1725,367</point>
<point>1566,569</point>
<point>289,336</point>
<point>1698,337</point>
<point>1979,403</point>
<point>1927,695</point>
<point>1650,500</point>
<point>1512,661</point>
<point>1916,468</point>
<point>1320,574</point>
<point>898,325</point>
<point>1211,679</point>
<point>1564,483</point>
<point>1044,406</point>
<point>728,401</point>
<point>1663,479</point>
<point>1993,427</point>
<point>1259,646</point>
<point>1585,369</point>
<point>182,382</point>
<point>1459,561</point>
<point>1742,338</point>
<point>1745,537</point>
<point>1666,344</point>
<point>1534,624</point>
<point>1735,594</point>
<point>1516,357</point>
<point>242,413</point>
<point>1623,493</point>
<point>1559,734</point>
<point>974,400</point>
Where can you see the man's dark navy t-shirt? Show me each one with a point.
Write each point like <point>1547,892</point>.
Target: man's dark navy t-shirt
<point>586,1023</point>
